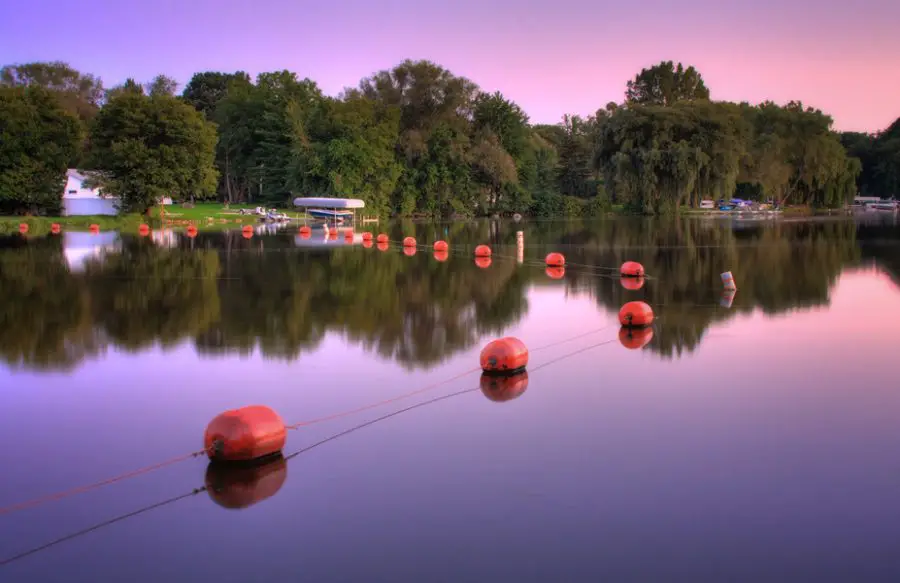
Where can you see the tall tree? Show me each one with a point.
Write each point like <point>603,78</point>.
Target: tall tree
<point>148,147</point>
<point>207,89</point>
<point>161,85</point>
<point>666,84</point>
<point>78,93</point>
<point>37,140</point>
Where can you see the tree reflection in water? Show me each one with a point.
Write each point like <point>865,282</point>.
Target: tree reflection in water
<point>231,295</point>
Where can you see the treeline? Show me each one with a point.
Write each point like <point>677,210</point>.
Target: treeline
<point>417,139</point>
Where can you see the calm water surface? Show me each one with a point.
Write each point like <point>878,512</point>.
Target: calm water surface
<point>753,438</point>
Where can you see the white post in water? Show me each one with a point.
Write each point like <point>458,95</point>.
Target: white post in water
<point>728,281</point>
<point>727,298</point>
<point>520,246</point>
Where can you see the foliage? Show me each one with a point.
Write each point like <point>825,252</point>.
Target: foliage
<point>879,156</point>
<point>149,147</point>
<point>666,84</point>
<point>37,140</point>
<point>78,93</point>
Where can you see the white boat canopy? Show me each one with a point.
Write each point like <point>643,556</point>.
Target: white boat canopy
<point>330,203</point>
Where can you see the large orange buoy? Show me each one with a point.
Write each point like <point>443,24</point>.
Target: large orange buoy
<point>238,486</point>
<point>483,262</point>
<point>247,232</point>
<point>332,236</point>
<point>367,236</point>
<point>305,231</point>
<point>382,238</point>
<point>23,228</point>
<point>635,338</point>
<point>192,231</point>
<point>409,242</point>
<point>332,232</point>
<point>441,256</point>
<point>348,236</point>
<point>504,356</point>
<point>501,389</point>
<point>245,434</point>
<point>556,259</point>
<point>143,230</point>
<point>441,246</point>
<point>409,251</point>
<point>555,272</point>
<point>367,243</point>
<point>382,245</point>
<point>94,229</point>
<point>55,228</point>
<point>636,315</point>
<point>632,269</point>
<point>482,251</point>
<point>632,283</point>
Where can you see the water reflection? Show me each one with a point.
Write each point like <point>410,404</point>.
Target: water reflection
<point>63,300</point>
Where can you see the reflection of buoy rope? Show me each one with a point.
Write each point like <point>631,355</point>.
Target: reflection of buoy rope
<point>288,457</point>
<point>81,489</point>
<point>134,473</point>
<point>98,526</point>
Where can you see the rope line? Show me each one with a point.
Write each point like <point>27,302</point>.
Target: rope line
<point>289,457</point>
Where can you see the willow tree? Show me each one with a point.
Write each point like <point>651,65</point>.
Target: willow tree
<point>666,84</point>
<point>657,158</point>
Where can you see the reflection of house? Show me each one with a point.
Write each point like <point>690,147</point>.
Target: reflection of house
<point>79,248</point>
<point>79,199</point>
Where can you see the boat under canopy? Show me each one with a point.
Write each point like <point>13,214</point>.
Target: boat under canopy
<point>329,203</point>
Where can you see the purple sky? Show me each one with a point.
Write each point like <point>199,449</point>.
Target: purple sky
<point>552,57</point>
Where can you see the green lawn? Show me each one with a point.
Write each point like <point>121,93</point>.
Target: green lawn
<point>202,215</point>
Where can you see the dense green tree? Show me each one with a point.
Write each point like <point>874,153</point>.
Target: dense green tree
<point>207,89</point>
<point>148,147</point>
<point>879,155</point>
<point>666,84</point>
<point>78,93</point>
<point>38,138</point>
<point>161,85</point>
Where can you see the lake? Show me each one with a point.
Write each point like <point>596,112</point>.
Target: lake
<point>745,437</point>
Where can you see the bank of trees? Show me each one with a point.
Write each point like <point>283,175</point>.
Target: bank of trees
<point>418,139</point>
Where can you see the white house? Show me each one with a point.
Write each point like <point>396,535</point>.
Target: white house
<point>81,200</point>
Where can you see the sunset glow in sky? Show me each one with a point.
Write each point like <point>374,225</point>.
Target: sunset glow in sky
<point>552,57</point>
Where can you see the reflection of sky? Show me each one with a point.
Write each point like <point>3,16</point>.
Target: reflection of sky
<point>79,247</point>
<point>763,455</point>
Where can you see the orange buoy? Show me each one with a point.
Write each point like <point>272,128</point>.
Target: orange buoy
<point>367,243</point>
<point>409,242</point>
<point>332,236</point>
<point>502,389</point>
<point>441,256</point>
<point>632,269</point>
<point>143,230</point>
<point>367,236</point>
<point>635,338</point>
<point>247,233</point>
<point>636,315</point>
<point>632,283</point>
<point>94,229</point>
<point>348,231</point>
<point>55,228</point>
<point>192,231</point>
<point>555,272</point>
<point>245,434</point>
<point>441,246</point>
<point>409,251</point>
<point>332,231</point>
<point>556,259</point>
<point>23,228</point>
<point>305,230</point>
<point>483,262</point>
<point>348,236</point>
<point>382,245</point>
<point>482,251</point>
<point>504,356</point>
<point>238,486</point>
<point>382,238</point>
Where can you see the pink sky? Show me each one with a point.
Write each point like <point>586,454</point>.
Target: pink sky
<point>564,56</point>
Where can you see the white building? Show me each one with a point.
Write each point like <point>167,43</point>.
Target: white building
<point>81,200</point>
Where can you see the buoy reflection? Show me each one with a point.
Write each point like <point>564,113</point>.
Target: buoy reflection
<point>240,486</point>
<point>635,338</point>
<point>501,389</point>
